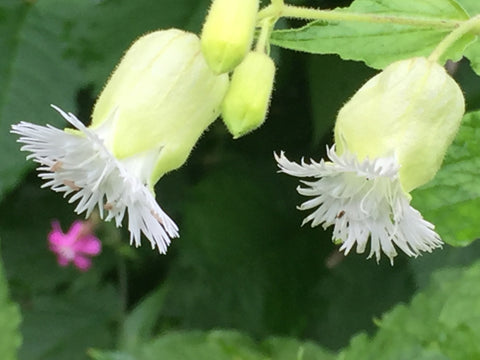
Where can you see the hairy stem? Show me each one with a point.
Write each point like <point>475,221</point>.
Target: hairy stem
<point>470,26</point>
<point>264,37</point>
<point>335,15</point>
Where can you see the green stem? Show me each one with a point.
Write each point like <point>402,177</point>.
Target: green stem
<point>470,26</point>
<point>264,37</point>
<point>335,15</point>
<point>122,289</point>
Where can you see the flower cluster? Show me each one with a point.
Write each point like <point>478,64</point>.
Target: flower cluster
<point>390,137</point>
<point>227,38</point>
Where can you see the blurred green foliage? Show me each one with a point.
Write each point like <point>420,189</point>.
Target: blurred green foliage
<point>10,338</point>
<point>242,262</point>
<point>456,188</point>
<point>441,322</point>
<point>219,345</point>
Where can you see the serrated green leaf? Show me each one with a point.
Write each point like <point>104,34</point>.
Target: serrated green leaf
<point>10,338</point>
<point>34,73</point>
<point>192,345</point>
<point>380,44</point>
<point>218,345</point>
<point>451,200</point>
<point>439,323</point>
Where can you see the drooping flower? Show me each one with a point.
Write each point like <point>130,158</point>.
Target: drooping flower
<point>155,106</point>
<point>78,245</point>
<point>390,138</point>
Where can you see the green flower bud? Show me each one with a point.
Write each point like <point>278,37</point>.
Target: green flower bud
<point>411,110</point>
<point>161,96</point>
<point>227,34</point>
<point>246,103</point>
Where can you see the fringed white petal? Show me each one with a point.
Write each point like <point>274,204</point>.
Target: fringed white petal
<point>81,166</point>
<point>363,201</point>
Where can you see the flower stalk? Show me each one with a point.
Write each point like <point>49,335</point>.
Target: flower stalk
<point>303,13</point>
<point>471,26</point>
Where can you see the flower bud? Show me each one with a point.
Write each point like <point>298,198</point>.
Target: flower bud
<point>411,110</point>
<point>162,96</point>
<point>228,33</point>
<point>245,105</point>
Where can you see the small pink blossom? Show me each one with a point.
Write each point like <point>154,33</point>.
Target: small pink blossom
<point>77,245</point>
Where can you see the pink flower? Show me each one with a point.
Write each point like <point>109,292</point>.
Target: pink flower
<point>77,245</point>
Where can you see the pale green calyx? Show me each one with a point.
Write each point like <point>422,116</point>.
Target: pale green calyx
<point>246,103</point>
<point>411,110</point>
<point>159,100</point>
<point>227,34</point>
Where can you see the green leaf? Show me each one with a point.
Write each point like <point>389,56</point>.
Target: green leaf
<point>450,256</point>
<point>138,326</point>
<point>10,338</point>
<point>283,348</point>
<point>110,355</point>
<point>472,7</point>
<point>76,320</point>
<point>34,73</point>
<point>451,200</point>
<point>379,44</point>
<point>472,53</point>
<point>218,345</point>
<point>439,323</point>
<point>193,345</point>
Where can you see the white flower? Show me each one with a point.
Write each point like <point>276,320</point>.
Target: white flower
<point>390,138</point>
<point>81,166</point>
<point>155,106</point>
<point>362,200</point>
